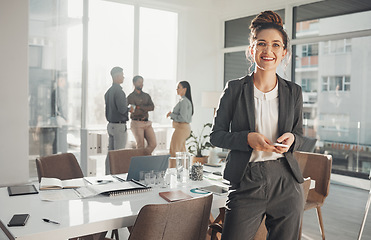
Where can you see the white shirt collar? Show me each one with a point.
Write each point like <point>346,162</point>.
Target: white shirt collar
<point>268,95</point>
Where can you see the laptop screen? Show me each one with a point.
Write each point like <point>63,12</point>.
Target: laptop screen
<point>147,163</point>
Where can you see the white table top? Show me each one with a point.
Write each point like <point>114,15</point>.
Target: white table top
<point>83,216</point>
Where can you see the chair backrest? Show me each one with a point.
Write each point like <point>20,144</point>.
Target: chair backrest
<point>317,167</point>
<point>181,220</point>
<point>63,166</point>
<point>120,159</point>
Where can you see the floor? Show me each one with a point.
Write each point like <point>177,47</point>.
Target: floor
<point>342,214</point>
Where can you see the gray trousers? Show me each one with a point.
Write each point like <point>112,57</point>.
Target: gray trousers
<point>268,189</point>
<point>117,137</point>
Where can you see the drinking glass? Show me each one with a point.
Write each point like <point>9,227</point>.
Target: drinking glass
<point>182,166</point>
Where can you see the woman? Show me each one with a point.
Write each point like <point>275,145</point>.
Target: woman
<point>182,117</point>
<point>255,112</point>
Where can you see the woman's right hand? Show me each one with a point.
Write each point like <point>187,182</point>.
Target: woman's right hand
<point>168,114</point>
<point>259,142</point>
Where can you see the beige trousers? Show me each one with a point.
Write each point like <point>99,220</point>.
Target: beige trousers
<point>180,135</point>
<point>143,130</point>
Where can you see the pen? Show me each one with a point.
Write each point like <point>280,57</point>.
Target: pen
<point>104,181</point>
<point>50,221</point>
<point>139,183</point>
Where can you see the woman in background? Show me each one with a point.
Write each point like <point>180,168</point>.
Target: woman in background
<point>182,117</point>
<point>255,112</point>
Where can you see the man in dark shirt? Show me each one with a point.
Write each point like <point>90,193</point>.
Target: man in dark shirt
<point>141,127</point>
<point>116,112</point>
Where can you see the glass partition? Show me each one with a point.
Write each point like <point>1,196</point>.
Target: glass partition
<point>55,55</point>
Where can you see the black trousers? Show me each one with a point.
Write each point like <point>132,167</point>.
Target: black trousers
<point>268,189</point>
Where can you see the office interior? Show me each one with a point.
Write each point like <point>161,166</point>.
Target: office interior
<point>205,46</point>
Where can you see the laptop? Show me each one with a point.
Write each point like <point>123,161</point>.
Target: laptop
<point>147,163</point>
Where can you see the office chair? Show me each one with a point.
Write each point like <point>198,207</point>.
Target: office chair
<point>366,211</point>
<point>317,167</point>
<point>120,159</point>
<point>181,220</point>
<point>63,166</point>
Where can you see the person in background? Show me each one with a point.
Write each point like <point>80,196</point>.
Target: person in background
<point>116,113</point>
<point>254,113</point>
<point>182,117</point>
<point>141,127</point>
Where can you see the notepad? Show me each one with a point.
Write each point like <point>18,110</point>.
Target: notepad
<point>173,196</point>
<point>22,190</point>
<point>119,188</point>
<point>55,183</point>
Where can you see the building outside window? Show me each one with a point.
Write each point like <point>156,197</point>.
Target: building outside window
<point>339,116</point>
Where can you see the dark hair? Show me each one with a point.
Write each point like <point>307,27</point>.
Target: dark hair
<point>136,78</point>
<point>188,94</point>
<point>116,70</point>
<point>268,20</point>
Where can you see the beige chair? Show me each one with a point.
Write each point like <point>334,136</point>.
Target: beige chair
<point>63,166</point>
<point>317,167</point>
<point>181,220</point>
<point>120,159</point>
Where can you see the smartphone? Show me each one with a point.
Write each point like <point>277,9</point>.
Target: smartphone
<point>280,145</point>
<point>18,220</point>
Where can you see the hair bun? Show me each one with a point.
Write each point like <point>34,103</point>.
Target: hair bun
<point>266,17</point>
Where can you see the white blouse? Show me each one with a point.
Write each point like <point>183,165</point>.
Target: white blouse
<point>266,121</point>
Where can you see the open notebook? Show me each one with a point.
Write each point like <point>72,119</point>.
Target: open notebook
<point>109,189</point>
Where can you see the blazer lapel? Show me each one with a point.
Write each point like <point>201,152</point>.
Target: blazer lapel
<point>248,92</point>
<point>284,98</point>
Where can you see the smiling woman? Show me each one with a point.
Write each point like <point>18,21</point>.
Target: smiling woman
<point>266,110</point>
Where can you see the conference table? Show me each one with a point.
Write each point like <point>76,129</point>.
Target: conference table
<point>85,216</point>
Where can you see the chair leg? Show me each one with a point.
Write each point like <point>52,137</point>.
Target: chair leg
<point>301,229</point>
<point>320,221</point>
<point>115,234</point>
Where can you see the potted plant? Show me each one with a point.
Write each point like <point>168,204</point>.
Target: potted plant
<point>196,144</point>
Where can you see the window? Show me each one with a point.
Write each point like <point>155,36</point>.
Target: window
<point>141,40</point>
<point>309,50</point>
<point>155,58</point>
<point>109,46</point>
<point>336,83</point>
<point>158,33</point>
<point>309,85</point>
<point>338,34</point>
<point>338,46</point>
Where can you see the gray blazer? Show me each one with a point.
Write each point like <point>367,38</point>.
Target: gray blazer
<point>235,118</point>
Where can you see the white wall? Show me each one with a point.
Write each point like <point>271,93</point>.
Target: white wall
<point>13,92</point>
<point>199,62</point>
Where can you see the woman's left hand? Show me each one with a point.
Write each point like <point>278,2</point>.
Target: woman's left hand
<point>287,139</point>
